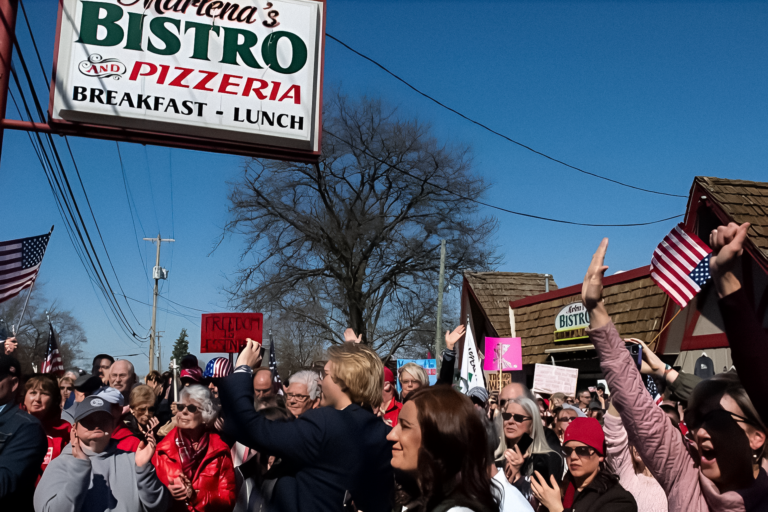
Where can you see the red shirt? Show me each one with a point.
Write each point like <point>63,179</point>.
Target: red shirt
<point>393,411</point>
<point>126,440</point>
<point>58,437</point>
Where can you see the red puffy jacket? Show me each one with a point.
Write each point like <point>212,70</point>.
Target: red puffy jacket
<point>214,479</point>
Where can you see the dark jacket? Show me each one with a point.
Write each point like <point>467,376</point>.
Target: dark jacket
<point>330,452</point>
<point>23,445</point>
<point>603,494</point>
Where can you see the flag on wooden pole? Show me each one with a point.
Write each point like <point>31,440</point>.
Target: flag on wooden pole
<point>53,363</point>
<point>471,370</point>
<point>680,265</point>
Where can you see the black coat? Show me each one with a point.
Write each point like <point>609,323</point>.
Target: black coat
<point>23,445</point>
<point>330,452</point>
<point>604,494</point>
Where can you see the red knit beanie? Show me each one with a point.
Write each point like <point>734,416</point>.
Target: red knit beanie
<point>587,431</point>
<point>388,375</point>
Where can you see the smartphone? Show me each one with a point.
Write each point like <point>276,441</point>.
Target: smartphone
<point>542,466</point>
<point>524,443</point>
<point>636,352</point>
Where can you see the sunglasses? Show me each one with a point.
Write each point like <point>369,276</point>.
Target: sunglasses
<point>695,421</point>
<point>191,408</point>
<point>151,409</point>
<point>581,451</point>
<point>566,419</point>
<point>519,418</point>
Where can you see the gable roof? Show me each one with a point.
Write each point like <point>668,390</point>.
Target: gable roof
<point>742,201</point>
<point>633,300</point>
<point>495,290</point>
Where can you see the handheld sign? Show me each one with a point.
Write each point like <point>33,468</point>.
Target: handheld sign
<point>503,354</point>
<point>227,332</point>
<point>555,379</point>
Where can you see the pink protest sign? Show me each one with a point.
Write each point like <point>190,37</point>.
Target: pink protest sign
<point>505,354</point>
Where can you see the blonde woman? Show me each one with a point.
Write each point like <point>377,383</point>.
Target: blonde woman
<point>337,452</point>
<point>412,377</point>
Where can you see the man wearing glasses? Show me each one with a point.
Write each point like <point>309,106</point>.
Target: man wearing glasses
<point>302,392</point>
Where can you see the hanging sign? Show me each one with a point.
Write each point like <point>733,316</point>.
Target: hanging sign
<point>215,75</point>
<point>227,332</point>
<point>571,323</point>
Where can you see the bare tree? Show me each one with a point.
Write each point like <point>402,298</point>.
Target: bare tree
<point>32,334</point>
<point>298,344</point>
<point>354,240</point>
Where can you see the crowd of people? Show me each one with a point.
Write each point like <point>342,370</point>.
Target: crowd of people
<point>228,438</point>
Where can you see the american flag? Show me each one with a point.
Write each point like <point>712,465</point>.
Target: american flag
<point>680,265</point>
<point>53,362</point>
<point>19,264</point>
<point>277,384</point>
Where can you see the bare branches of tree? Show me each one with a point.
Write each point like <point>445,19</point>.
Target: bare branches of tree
<point>354,242</point>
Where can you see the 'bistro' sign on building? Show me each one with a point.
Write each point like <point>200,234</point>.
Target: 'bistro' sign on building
<point>248,71</point>
<point>571,323</point>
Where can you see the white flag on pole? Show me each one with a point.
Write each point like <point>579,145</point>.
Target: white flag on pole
<point>471,369</point>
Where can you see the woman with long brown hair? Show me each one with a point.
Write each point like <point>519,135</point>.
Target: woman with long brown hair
<point>440,448</point>
<point>42,399</point>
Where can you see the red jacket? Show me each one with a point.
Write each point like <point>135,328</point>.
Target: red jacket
<point>214,479</point>
<point>126,440</point>
<point>58,437</point>
<point>393,412</point>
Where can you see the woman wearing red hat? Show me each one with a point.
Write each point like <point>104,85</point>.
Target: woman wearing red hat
<point>589,484</point>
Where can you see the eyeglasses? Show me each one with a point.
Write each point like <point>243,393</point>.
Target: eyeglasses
<point>298,398</point>
<point>581,451</point>
<point>151,409</point>
<point>519,418</point>
<point>191,408</point>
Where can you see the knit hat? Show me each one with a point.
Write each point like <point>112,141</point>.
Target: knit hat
<point>587,431</point>
<point>217,368</point>
<point>193,374</point>
<point>479,393</point>
<point>388,375</point>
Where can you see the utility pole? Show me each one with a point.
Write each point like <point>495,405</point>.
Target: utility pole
<point>439,323</point>
<point>159,350</point>
<point>158,273</point>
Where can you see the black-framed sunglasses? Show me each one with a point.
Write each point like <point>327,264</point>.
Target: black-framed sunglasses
<point>581,451</point>
<point>519,418</point>
<point>191,408</point>
<point>695,421</point>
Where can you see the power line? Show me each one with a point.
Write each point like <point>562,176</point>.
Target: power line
<point>485,127</point>
<point>460,196</point>
<point>182,305</point>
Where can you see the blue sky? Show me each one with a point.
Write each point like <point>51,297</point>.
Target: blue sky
<point>649,93</point>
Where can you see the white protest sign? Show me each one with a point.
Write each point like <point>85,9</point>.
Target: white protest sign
<point>555,379</point>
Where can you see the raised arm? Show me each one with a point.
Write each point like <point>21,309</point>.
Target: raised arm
<point>658,442</point>
<point>746,335</point>
<point>449,355</point>
<point>617,444</point>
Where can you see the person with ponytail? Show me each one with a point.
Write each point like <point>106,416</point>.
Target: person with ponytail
<point>589,485</point>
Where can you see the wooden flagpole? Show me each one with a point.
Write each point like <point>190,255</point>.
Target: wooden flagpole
<point>663,328</point>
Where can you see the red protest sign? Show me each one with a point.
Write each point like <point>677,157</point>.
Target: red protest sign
<point>227,332</point>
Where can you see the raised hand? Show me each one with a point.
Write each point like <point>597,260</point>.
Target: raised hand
<point>351,337</point>
<point>592,289</point>
<point>452,337</point>
<point>10,345</point>
<point>251,354</point>
<point>146,449</point>
<point>77,449</point>
<point>727,243</point>
<point>548,493</point>
<point>152,424</point>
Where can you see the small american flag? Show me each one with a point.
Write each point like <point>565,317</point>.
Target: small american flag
<point>53,362</point>
<point>680,265</point>
<point>19,264</point>
<point>277,383</point>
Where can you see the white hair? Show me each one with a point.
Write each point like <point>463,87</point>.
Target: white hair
<point>309,379</point>
<point>538,435</point>
<point>202,396</point>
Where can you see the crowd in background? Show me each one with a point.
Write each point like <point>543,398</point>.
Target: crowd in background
<point>228,437</point>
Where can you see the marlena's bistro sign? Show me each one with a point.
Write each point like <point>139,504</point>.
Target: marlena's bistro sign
<point>239,75</point>
<point>571,323</point>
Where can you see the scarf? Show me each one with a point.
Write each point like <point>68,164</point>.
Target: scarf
<point>190,458</point>
<point>570,494</point>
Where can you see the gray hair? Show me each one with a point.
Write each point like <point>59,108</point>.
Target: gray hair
<point>309,379</point>
<point>416,371</point>
<point>202,396</point>
<point>538,435</point>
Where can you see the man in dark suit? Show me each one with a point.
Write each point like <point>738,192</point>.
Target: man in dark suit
<point>333,452</point>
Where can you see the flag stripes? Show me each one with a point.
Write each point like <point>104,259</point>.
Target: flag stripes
<point>674,260</point>
<point>20,263</point>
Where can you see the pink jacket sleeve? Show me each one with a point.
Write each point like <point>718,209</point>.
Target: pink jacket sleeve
<point>618,456</point>
<point>659,443</point>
